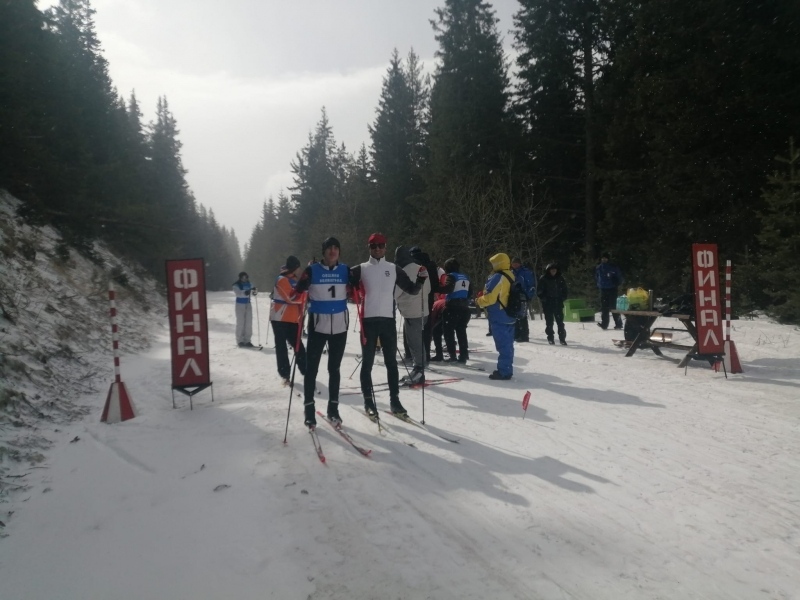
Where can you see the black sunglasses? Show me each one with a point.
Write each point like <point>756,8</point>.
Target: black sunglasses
<point>373,246</point>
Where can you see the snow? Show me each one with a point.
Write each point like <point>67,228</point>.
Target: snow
<point>627,479</point>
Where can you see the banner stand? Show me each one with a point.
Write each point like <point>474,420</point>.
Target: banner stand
<point>183,389</point>
<point>188,327</point>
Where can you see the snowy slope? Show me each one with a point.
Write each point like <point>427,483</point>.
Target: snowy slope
<point>627,479</point>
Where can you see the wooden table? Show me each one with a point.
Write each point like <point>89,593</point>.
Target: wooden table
<point>644,338</point>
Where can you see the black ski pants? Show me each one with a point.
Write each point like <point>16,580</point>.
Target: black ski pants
<point>554,311</point>
<point>455,320</point>
<point>383,329</point>
<point>521,331</point>
<point>316,345</point>
<point>608,302</point>
<point>286,337</point>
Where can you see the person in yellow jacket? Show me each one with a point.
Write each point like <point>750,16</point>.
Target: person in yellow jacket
<point>493,299</point>
<point>285,317</point>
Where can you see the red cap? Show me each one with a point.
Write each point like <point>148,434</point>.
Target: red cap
<point>377,238</point>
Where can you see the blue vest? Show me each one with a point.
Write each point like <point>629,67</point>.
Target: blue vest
<point>461,288</point>
<point>327,293</point>
<point>244,287</point>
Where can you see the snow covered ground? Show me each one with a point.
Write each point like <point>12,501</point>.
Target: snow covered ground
<point>627,480</point>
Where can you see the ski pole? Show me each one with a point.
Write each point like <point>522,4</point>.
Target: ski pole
<point>375,403</point>
<point>294,364</point>
<point>266,337</point>
<point>403,362</point>
<point>422,351</point>
<point>258,322</point>
<point>291,393</point>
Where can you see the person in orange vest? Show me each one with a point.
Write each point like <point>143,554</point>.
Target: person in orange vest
<point>285,317</point>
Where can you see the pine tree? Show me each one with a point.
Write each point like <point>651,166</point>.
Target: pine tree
<point>470,125</point>
<point>314,186</point>
<point>398,146</point>
<point>561,48</point>
<point>90,108</point>
<point>703,92</point>
<point>780,238</point>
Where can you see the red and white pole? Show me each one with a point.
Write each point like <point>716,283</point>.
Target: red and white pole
<point>728,301</point>
<point>731,359</point>
<point>119,406</point>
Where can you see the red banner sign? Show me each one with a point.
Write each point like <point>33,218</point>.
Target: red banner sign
<point>188,322</point>
<point>707,301</point>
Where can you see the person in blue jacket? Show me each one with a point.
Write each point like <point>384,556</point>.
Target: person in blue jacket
<point>456,315</point>
<point>608,278</point>
<point>494,298</point>
<point>244,312</point>
<point>526,276</point>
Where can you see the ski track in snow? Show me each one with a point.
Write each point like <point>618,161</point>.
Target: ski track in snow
<point>626,480</point>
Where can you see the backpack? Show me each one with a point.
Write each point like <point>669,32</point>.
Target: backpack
<point>516,297</point>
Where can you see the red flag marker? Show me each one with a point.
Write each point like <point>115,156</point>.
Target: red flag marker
<point>525,399</point>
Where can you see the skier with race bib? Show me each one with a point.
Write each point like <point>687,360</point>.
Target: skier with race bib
<point>458,290</point>
<point>328,321</point>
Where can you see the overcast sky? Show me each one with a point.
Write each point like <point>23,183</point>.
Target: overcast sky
<point>246,79</point>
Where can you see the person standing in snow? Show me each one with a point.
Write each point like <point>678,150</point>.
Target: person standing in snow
<point>414,310</point>
<point>285,316</point>
<point>494,299</point>
<point>552,291</point>
<point>608,278</point>
<point>422,258</point>
<point>525,275</point>
<point>328,321</point>
<point>244,312</point>
<point>455,316</point>
<point>378,279</point>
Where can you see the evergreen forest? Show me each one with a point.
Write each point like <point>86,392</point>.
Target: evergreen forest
<point>633,127</point>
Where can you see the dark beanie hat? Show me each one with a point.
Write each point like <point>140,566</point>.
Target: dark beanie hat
<point>516,259</point>
<point>243,274</point>
<point>415,250</point>
<point>451,266</point>
<point>292,263</point>
<point>605,255</point>
<point>331,241</point>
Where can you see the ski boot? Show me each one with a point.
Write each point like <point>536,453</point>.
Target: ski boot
<point>311,416</point>
<point>369,407</point>
<point>397,408</point>
<point>333,414</point>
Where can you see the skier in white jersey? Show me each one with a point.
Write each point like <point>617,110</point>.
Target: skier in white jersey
<point>328,321</point>
<point>378,279</point>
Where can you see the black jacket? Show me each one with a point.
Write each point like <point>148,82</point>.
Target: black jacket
<point>552,288</point>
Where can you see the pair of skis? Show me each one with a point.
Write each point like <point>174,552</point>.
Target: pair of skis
<point>361,450</point>
<point>406,419</point>
<point>338,429</point>
<point>351,391</point>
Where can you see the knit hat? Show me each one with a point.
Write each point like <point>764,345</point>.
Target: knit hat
<point>331,241</point>
<point>517,260</point>
<point>243,274</point>
<point>377,238</point>
<point>605,255</point>
<point>292,263</point>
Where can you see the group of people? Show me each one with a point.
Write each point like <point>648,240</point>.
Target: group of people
<point>432,301</point>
